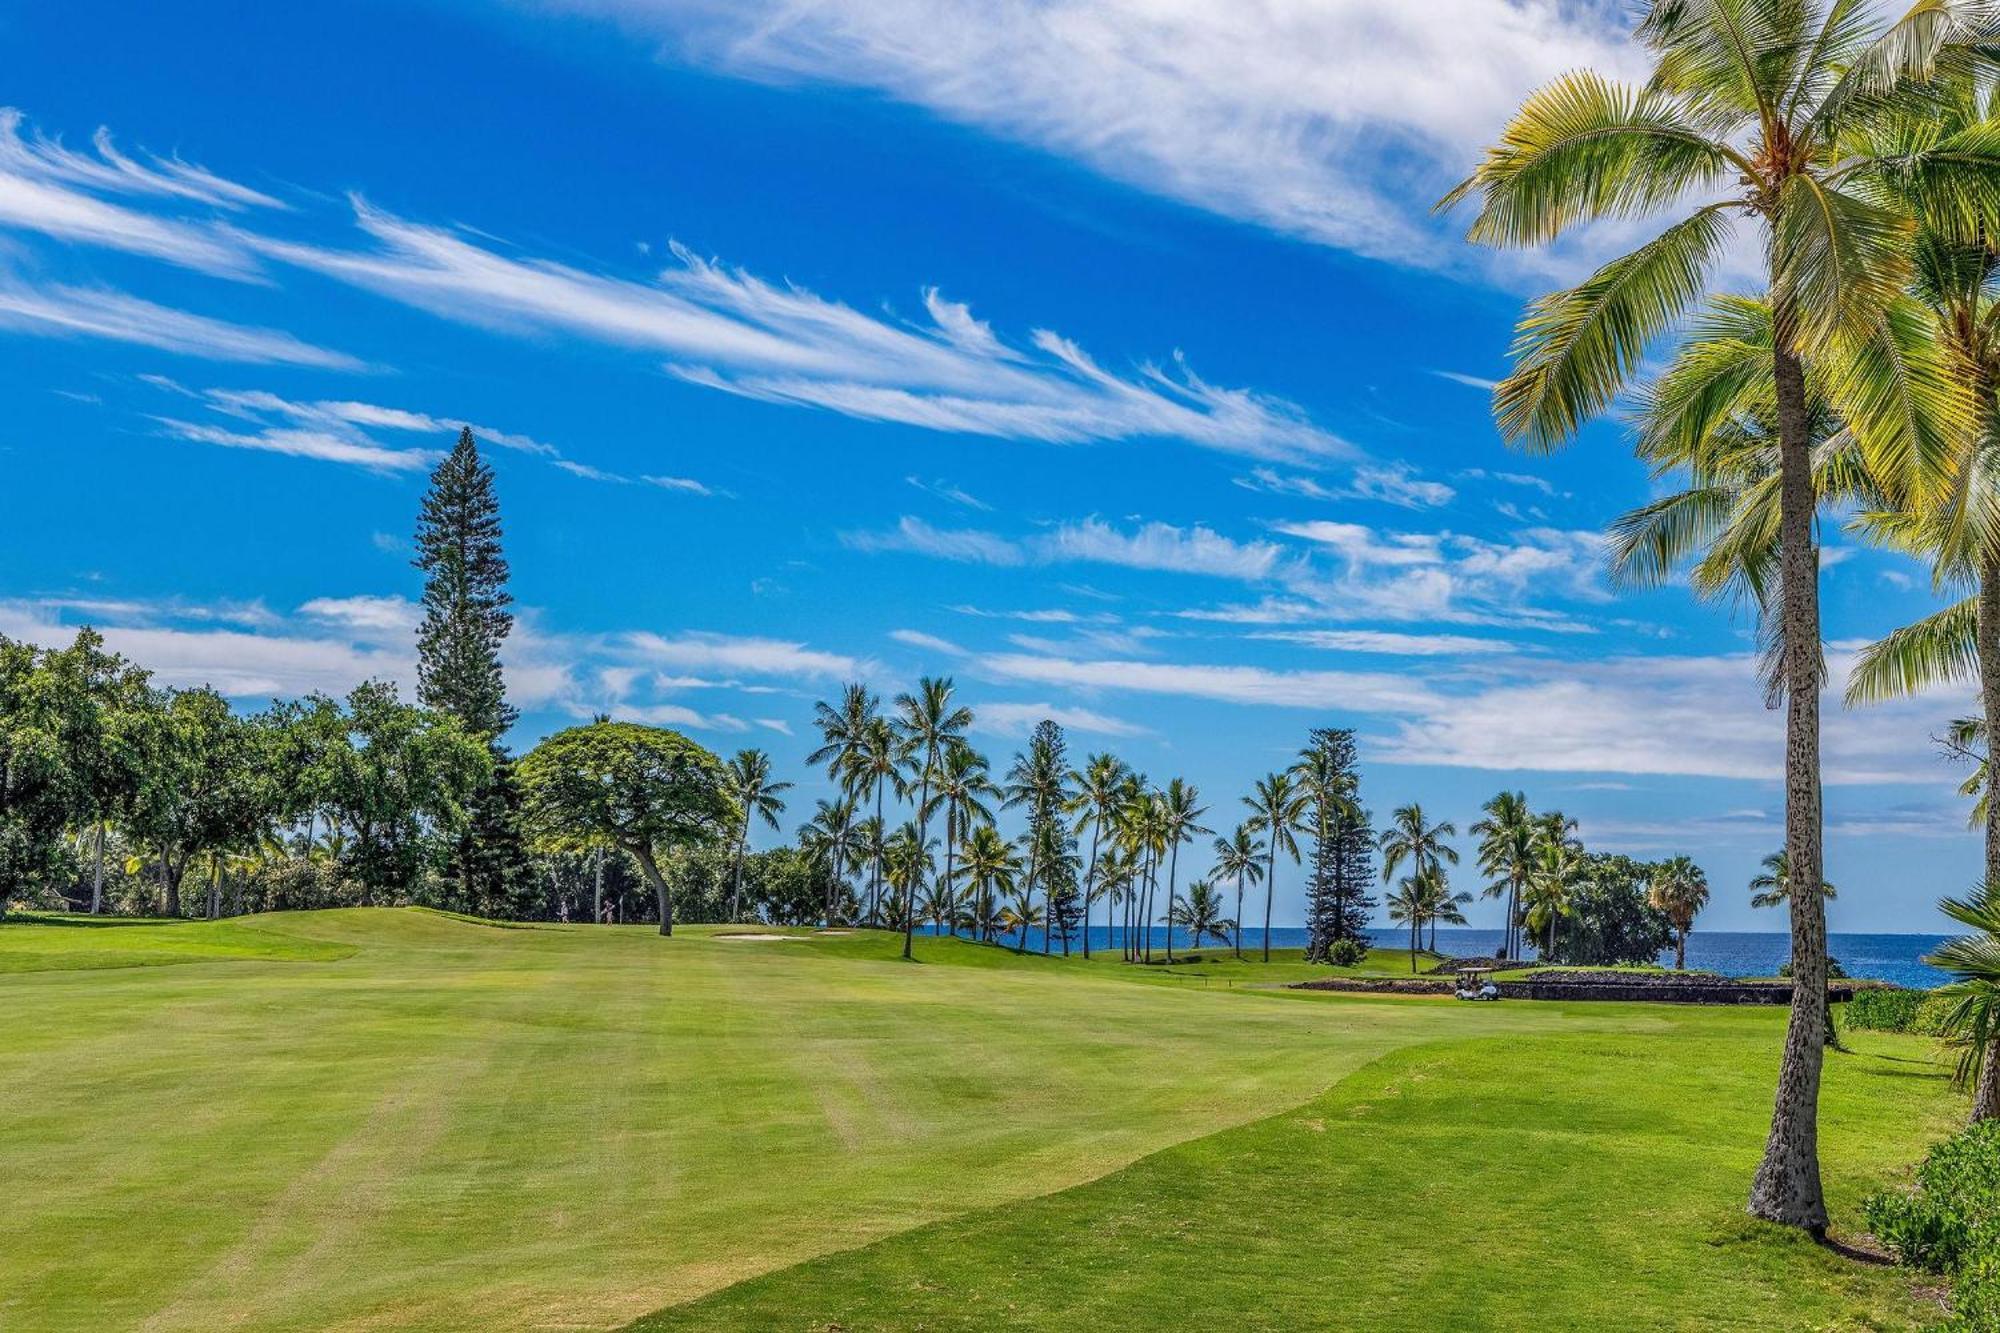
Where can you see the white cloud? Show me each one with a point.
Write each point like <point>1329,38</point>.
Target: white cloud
<point>100,312</point>
<point>1388,644</point>
<point>1366,692</point>
<point>1469,381</point>
<point>730,330</point>
<point>1335,120</point>
<point>929,643</point>
<point>1017,719</point>
<point>1396,484</point>
<point>370,614</point>
<point>684,485</point>
<point>752,655</point>
<point>1160,546</point>
<point>300,443</point>
<point>918,537</point>
<point>945,490</point>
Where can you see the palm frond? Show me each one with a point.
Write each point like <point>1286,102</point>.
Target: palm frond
<point>1941,647</point>
<point>1839,259</point>
<point>1576,348</point>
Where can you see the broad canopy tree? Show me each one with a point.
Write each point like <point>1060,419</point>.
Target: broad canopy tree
<point>645,790</point>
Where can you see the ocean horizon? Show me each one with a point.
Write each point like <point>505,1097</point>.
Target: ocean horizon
<point>1732,953</point>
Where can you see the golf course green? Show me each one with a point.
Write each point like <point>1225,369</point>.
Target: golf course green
<point>399,1119</point>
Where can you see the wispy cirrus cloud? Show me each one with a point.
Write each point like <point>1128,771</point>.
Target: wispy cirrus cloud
<point>1149,546</point>
<point>717,326</point>
<point>63,311</point>
<point>730,330</point>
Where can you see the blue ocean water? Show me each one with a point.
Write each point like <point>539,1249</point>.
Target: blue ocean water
<point>1733,953</point>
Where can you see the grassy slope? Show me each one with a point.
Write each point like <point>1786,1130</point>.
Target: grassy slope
<point>458,1126</point>
<point>461,1126</point>
<point>48,942</point>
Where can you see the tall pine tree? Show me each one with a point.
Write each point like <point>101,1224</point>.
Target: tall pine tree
<point>465,622</point>
<point>1343,863</point>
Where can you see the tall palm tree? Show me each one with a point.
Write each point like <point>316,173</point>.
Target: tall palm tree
<point>928,722</point>
<point>1178,813</point>
<point>1546,897</point>
<point>1974,1018</point>
<point>878,765</point>
<point>831,838</point>
<point>1094,794</point>
<point>1506,851</point>
<point>1410,836</point>
<point>748,779</point>
<point>906,862</point>
<point>1278,810</point>
<point>1039,781</point>
<point>1956,260</point>
<point>1201,915</point>
<point>1022,913</point>
<point>1438,900</point>
<point>1240,856</point>
<point>1405,904</point>
<point>963,788</point>
<point>843,730</point>
<point>1680,891</point>
<point>1148,823</point>
<point>988,869</point>
<point>1760,107</point>
<point>1774,886</point>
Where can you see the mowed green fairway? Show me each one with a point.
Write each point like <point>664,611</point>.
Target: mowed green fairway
<point>397,1119</point>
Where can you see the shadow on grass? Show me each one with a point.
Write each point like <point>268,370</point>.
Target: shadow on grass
<point>90,922</point>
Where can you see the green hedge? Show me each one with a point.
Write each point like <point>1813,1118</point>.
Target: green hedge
<point>1950,1223</point>
<point>1886,1010</point>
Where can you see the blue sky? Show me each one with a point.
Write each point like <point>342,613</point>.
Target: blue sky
<point>1104,356</point>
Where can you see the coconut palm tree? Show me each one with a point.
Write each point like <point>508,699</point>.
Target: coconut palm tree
<point>928,722</point>
<point>906,861</point>
<point>877,767</point>
<point>1094,794</point>
<point>1406,905</point>
<point>1411,837</point>
<point>1973,1021</point>
<point>831,838</point>
<point>1773,888</point>
<point>1546,897</point>
<point>1022,913</point>
<point>1278,810</point>
<point>1178,813</point>
<point>1680,891</point>
<point>988,868</point>
<point>1201,915</point>
<point>1240,856</point>
<point>1506,851</point>
<point>1760,109</point>
<point>843,730</point>
<point>1438,901</point>
<point>963,788</point>
<point>748,779</point>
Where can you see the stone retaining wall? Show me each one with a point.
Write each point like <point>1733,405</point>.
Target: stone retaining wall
<point>1650,992</point>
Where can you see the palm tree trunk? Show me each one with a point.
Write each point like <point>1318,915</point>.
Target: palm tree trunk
<point>1786,1188</point>
<point>1270,885</point>
<point>1416,924</point>
<point>597,891</point>
<point>1239,914</point>
<point>1986,1101</point>
<point>1173,873</point>
<point>923,838</point>
<point>736,879</point>
<point>215,889</point>
<point>1680,951</point>
<point>950,833</point>
<point>170,880</point>
<point>1034,864</point>
<point>875,881</point>
<point>1090,891</point>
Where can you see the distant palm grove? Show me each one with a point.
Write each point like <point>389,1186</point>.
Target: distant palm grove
<point>121,796</point>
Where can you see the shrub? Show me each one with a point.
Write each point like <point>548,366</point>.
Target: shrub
<point>1834,971</point>
<point>1346,952</point>
<point>1950,1223</point>
<point>1883,1010</point>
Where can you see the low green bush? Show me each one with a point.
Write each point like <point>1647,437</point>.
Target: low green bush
<point>1950,1223</point>
<point>1346,952</point>
<point>1883,1010</point>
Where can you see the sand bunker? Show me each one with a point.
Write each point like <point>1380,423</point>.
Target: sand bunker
<point>752,936</point>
